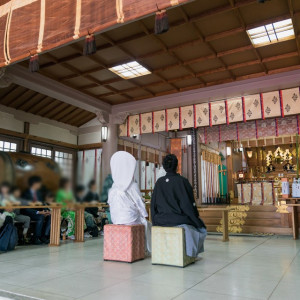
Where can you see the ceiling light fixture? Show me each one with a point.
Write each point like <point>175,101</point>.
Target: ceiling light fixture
<point>130,70</point>
<point>272,33</point>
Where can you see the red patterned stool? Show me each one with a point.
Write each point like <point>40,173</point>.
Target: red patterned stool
<point>124,242</point>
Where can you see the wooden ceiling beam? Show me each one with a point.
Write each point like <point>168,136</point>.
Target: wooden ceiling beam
<point>62,106</point>
<point>49,107</point>
<point>294,20</point>
<point>85,120</point>
<point>72,115</point>
<point>244,26</point>
<point>16,92</point>
<point>28,109</point>
<point>20,99</point>
<point>221,69</point>
<point>27,102</point>
<point>43,103</point>
<point>64,112</point>
<point>78,116</point>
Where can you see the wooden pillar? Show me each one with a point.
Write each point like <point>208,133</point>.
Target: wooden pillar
<point>26,131</point>
<point>55,226</point>
<point>79,224</point>
<point>295,223</point>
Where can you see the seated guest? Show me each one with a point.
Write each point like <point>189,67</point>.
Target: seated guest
<point>173,204</point>
<point>92,229</point>
<point>126,204</point>
<point>33,195</point>
<point>15,198</point>
<point>108,182</point>
<point>49,199</point>
<point>79,193</point>
<point>64,197</point>
<point>92,196</point>
<point>11,196</point>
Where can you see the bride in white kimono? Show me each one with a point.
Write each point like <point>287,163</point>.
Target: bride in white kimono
<point>125,201</point>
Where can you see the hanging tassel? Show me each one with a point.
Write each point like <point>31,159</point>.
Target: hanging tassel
<point>34,65</point>
<point>89,45</point>
<point>161,22</point>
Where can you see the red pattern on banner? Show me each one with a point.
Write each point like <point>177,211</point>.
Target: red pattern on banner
<point>153,122</point>
<point>128,131</point>
<point>251,194</point>
<point>226,111</point>
<point>140,117</point>
<point>210,121</point>
<point>262,106</point>
<point>166,117</point>
<point>180,121</point>
<point>298,125</point>
<point>195,116</point>
<point>262,193</point>
<point>281,103</point>
<point>244,109</point>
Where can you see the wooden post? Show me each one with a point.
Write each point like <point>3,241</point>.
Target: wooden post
<point>225,225</point>
<point>295,223</point>
<point>55,226</point>
<point>79,224</point>
<point>26,131</point>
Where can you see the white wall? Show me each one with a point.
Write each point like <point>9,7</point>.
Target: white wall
<point>8,122</point>
<point>53,133</point>
<point>89,138</point>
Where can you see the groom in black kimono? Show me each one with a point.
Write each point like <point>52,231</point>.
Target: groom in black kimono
<point>173,204</point>
<point>173,200</point>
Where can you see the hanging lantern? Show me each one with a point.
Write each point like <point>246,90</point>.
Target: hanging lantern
<point>34,65</point>
<point>90,46</point>
<point>161,22</point>
<point>104,133</point>
<point>249,153</point>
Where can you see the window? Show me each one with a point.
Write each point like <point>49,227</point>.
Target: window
<point>38,151</point>
<point>8,146</point>
<point>130,70</point>
<point>65,162</point>
<point>272,33</point>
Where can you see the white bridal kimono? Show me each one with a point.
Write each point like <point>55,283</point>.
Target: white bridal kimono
<point>125,201</point>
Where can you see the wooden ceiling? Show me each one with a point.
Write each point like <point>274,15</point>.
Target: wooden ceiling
<point>26,100</point>
<point>206,45</point>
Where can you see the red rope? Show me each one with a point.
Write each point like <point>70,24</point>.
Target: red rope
<point>180,119</point>
<point>166,117</point>
<point>262,106</point>
<point>210,121</point>
<point>195,116</point>
<point>244,109</point>
<point>226,111</point>
<point>281,103</point>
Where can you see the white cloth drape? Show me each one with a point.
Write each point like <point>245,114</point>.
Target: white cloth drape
<point>89,166</point>
<point>209,181</point>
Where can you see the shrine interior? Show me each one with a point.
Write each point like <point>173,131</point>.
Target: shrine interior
<point>215,83</point>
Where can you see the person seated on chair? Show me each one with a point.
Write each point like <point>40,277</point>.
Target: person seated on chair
<point>91,197</point>
<point>173,204</point>
<point>11,196</point>
<point>34,197</point>
<point>92,229</point>
<point>126,204</point>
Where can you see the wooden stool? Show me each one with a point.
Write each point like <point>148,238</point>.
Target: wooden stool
<point>124,243</point>
<point>168,247</point>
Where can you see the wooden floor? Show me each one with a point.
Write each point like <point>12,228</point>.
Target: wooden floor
<point>259,219</point>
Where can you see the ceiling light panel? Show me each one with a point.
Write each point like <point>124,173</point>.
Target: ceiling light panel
<point>272,33</point>
<point>130,70</point>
